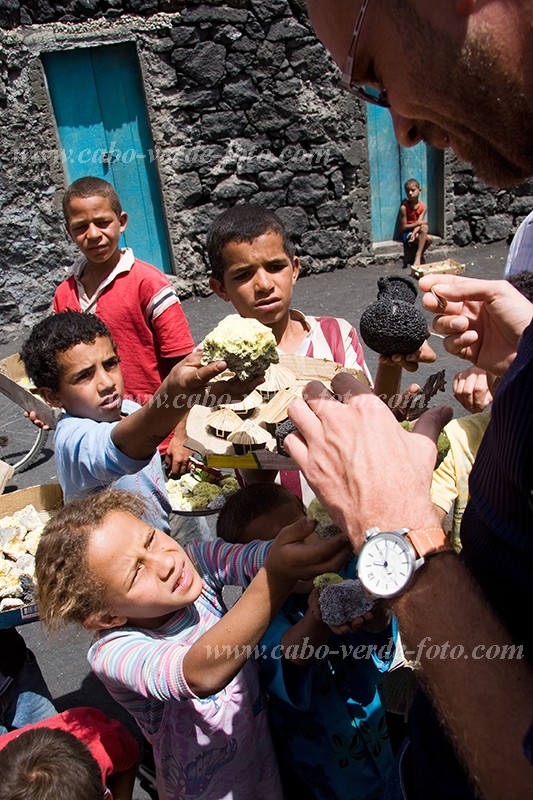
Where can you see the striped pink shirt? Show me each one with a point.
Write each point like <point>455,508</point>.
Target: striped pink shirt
<point>335,339</point>
<point>332,338</point>
<point>215,748</point>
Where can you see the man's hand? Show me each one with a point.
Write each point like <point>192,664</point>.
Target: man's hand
<point>364,467</point>
<point>470,388</point>
<point>482,321</point>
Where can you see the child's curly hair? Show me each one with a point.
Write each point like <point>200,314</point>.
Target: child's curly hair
<point>54,335</point>
<point>67,591</point>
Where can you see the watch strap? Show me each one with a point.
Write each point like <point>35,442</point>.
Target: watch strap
<point>428,541</point>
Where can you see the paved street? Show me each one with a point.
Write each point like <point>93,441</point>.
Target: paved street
<point>344,293</point>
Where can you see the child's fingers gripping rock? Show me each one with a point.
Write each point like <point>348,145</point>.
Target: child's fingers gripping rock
<point>232,389</point>
<point>298,553</point>
<point>189,374</point>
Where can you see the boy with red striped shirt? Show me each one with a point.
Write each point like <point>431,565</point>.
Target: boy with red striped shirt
<point>254,267</point>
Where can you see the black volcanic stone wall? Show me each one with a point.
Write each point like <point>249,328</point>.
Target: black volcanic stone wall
<point>243,105</point>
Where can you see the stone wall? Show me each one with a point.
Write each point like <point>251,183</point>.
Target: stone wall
<point>483,214</point>
<point>243,104</point>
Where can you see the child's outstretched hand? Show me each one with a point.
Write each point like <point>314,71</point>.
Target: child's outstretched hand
<point>190,375</point>
<point>424,355</point>
<point>373,621</point>
<point>298,553</point>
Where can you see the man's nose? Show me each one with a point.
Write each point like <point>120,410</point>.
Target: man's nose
<point>406,130</point>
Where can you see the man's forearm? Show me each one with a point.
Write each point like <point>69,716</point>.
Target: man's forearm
<point>477,676</point>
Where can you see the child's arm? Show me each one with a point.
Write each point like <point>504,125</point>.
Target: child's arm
<point>411,226</point>
<point>309,630</point>
<point>389,373</point>
<point>424,355</point>
<point>139,434</point>
<point>403,220</point>
<point>296,553</point>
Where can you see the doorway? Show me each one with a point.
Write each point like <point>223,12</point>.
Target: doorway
<point>392,165</point>
<point>99,107</point>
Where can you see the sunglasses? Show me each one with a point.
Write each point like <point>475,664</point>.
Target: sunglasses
<point>366,93</point>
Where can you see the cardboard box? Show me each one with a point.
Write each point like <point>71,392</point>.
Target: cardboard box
<point>45,497</point>
<point>11,372</point>
<point>446,267</point>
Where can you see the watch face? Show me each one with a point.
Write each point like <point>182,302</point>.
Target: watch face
<point>386,564</point>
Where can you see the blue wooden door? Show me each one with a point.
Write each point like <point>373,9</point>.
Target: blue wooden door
<point>98,103</point>
<point>392,165</point>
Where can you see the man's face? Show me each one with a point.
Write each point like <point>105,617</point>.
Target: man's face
<point>452,80</point>
<point>90,384</point>
<point>258,278</point>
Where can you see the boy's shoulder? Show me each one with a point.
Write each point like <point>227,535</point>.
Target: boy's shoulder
<point>324,322</point>
<point>67,288</point>
<point>469,424</point>
<point>142,269</point>
<point>70,422</point>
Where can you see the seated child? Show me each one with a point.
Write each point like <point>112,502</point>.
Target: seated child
<point>254,267</point>
<point>79,754</point>
<point>134,299</point>
<point>104,439</point>
<point>326,714</point>
<point>164,648</point>
<point>413,226</point>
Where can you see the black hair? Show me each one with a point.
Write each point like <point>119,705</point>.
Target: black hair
<point>57,334</point>
<point>242,223</point>
<point>247,504</point>
<point>523,281</point>
<point>411,180</point>
<point>91,187</point>
<point>49,764</point>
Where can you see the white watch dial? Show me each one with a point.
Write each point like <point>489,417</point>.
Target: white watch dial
<point>386,564</point>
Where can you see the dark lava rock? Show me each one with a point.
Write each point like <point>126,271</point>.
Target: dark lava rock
<point>393,327</point>
<point>397,288</point>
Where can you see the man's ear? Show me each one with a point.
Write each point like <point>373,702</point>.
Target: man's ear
<point>295,269</point>
<point>217,287</point>
<point>103,622</point>
<point>51,397</point>
<point>123,219</point>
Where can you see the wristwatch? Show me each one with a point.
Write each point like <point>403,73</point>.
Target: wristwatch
<point>389,559</point>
